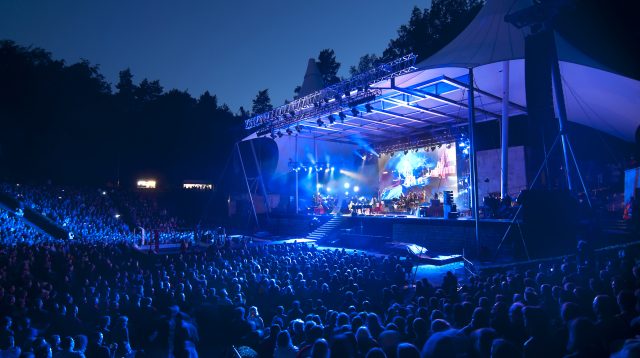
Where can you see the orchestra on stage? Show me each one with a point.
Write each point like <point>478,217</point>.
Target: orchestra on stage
<point>414,203</point>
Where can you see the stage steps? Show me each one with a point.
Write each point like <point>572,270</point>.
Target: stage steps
<point>326,230</point>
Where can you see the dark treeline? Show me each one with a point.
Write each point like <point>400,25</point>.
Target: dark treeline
<point>64,123</point>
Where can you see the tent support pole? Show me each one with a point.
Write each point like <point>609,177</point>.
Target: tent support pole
<point>246,180</point>
<point>297,208</point>
<point>262,186</point>
<point>561,110</point>
<point>504,131</point>
<point>473,168</point>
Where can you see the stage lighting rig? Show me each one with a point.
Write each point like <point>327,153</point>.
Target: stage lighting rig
<point>298,128</point>
<point>279,133</point>
<point>342,116</point>
<point>272,135</point>
<point>289,131</point>
<point>355,112</point>
<point>356,91</point>
<point>368,107</point>
<point>320,122</point>
<point>332,119</point>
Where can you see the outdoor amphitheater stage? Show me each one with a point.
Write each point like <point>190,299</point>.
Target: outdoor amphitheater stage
<point>439,236</point>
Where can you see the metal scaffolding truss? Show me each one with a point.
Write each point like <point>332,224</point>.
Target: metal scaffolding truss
<point>333,98</point>
<point>387,107</point>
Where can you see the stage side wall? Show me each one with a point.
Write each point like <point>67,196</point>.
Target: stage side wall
<point>489,172</point>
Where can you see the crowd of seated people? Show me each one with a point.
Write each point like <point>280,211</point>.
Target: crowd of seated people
<point>146,212</point>
<point>292,300</point>
<point>14,230</point>
<point>86,213</point>
<point>91,215</point>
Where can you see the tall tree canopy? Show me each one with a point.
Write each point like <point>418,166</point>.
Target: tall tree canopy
<point>328,66</point>
<point>262,102</point>
<point>431,29</point>
<point>63,123</point>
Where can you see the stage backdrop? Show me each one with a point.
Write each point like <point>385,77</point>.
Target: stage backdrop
<point>422,172</point>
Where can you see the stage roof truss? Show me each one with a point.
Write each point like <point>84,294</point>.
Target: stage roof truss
<point>386,111</point>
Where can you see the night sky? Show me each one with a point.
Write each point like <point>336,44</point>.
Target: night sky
<point>231,48</point>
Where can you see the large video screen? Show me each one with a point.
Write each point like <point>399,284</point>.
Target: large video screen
<point>423,173</point>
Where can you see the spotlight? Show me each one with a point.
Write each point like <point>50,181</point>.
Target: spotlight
<point>356,189</point>
<point>272,135</point>
<point>299,128</point>
<point>433,149</point>
<point>292,113</point>
<point>332,119</point>
<point>368,107</point>
<point>354,111</point>
<point>320,122</point>
<point>347,185</point>
<point>342,116</point>
<point>333,168</point>
<point>406,152</point>
<point>439,145</point>
<point>289,131</point>
<point>279,134</point>
<point>416,150</point>
<point>328,190</point>
<point>319,186</point>
<point>449,146</point>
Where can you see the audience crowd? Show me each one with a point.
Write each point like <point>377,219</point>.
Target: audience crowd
<point>92,215</point>
<point>101,298</point>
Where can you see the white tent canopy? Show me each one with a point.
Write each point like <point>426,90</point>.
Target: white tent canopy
<point>594,96</point>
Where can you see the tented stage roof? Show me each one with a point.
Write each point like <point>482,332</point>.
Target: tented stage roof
<point>433,97</point>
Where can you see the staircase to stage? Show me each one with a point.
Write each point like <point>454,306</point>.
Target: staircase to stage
<point>327,230</point>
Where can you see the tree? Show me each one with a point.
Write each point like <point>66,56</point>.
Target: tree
<point>149,90</point>
<point>328,66</point>
<point>207,102</point>
<point>125,85</point>
<point>242,113</point>
<point>262,102</point>
<point>431,29</point>
<point>366,63</point>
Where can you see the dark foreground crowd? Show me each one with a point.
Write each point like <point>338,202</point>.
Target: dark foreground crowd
<point>107,300</point>
<point>98,297</point>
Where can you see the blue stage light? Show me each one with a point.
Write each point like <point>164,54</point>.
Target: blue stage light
<point>356,189</point>
<point>346,185</point>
